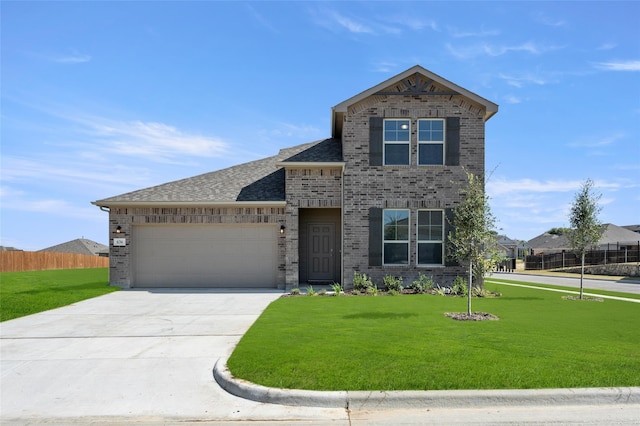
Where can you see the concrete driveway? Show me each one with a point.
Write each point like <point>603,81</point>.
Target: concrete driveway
<point>147,357</point>
<point>134,355</point>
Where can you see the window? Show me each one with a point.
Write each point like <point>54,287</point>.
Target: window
<point>431,142</point>
<point>396,142</point>
<point>430,237</point>
<point>395,243</point>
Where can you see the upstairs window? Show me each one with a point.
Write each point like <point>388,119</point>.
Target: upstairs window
<point>431,135</point>
<point>396,140</point>
<point>430,237</point>
<point>395,244</point>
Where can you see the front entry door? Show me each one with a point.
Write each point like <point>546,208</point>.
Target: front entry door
<point>321,252</point>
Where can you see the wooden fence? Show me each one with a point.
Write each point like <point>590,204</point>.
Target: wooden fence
<point>18,261</point>
<point>562,260</point>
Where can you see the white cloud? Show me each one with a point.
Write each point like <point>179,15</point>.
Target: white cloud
<point>335,21</point>
<point>501,186</point>
<point>549,21</point>
<point>70,57</point>
<point>457,33</point>
<point>493,50</point>
<point>607,46</point>
<point>597,142</point>
<point>631,65</point>
<point>522,80</point>
<point>152,140</point>
<point>512,99</point>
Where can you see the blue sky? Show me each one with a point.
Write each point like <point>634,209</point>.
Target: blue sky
<point>102,98</point>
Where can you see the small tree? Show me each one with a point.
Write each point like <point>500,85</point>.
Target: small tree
<point>586,230</point>
<point>473,240</point>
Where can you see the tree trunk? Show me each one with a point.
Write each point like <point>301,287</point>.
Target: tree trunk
<point>581,274</point>
<point>469,289</point>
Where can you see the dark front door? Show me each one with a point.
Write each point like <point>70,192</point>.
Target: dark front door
<point>321,251</point>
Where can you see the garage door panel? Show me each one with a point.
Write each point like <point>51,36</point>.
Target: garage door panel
<point>205,256</point>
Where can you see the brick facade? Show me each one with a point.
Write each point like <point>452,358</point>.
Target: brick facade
<point>410,187</point>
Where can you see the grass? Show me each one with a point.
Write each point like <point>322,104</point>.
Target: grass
<point>26,293</point>
<point>575,289</point>
<point>406,343</point>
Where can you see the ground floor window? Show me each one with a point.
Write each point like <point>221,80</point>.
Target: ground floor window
<point>395,237</point>
<point>430,237</point>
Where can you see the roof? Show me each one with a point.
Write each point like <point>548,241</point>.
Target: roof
<point>260,181</point>
<point>79,246</point>
<point>430,83</point>
<point>612,235</point>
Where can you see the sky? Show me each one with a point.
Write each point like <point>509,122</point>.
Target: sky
<point>102,98</point>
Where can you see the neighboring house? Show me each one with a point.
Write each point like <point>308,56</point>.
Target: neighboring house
<point>634,228</point>
<point>80,246</point>
<point>373,198</point>
<point>509,246</point>
<point>614,238</point>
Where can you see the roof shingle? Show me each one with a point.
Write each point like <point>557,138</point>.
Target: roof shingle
<point>259,180</point>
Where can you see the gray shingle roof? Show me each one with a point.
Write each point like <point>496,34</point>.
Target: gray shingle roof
<point>612,234</point>
<point>259,180</point>
<point>79,246</point>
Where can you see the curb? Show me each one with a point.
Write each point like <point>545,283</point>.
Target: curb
<point>422,399</point>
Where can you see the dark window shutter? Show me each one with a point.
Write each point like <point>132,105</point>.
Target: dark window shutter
<point>448,228</point>
<point>375,236</point>
<point>375,141</point>
<point>452,156</point>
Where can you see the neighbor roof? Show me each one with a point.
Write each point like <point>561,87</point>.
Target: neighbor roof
<point>256,181</point>
<point>392,85</point>
<point>79,246</point>
<point>612,234</point>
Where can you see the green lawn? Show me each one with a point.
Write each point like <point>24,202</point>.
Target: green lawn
<point>26,293</point>
<point>406,343</point>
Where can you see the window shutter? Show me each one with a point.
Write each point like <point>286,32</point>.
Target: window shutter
<point>375,141</point>
<point>448,228</point>
<point>375,236</point>
<point>452,156</point>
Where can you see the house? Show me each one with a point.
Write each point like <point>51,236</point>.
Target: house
<point>613,237</point>
<point>80,246</point>
<point>372,198</point>
<point>509,247</point>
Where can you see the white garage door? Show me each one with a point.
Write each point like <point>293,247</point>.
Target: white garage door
<point>218,256</point>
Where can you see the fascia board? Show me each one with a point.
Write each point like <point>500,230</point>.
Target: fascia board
<point>189,203</point>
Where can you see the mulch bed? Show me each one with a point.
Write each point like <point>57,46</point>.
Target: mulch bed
<point>475,316</point>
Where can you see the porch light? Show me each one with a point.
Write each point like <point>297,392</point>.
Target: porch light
<point>118,229</point>
<point>282,228</point>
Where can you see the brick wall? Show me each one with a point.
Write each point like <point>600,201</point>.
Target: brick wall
<point>318,187</point>
<point>409,187</point>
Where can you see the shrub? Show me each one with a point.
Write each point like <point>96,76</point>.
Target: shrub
<point>361,282</point>
<point>311,291</point>
<point>373,291</point>
<point>392,283</point>
<point>337,288</point>
<point>294,291</point>
<point>459,287</point>
<point>322,292</point>
<point>478,292</point>
<point>422,284</point>
<point>393,292</point>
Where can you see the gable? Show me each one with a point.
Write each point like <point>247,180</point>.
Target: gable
<point>416,81</point>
